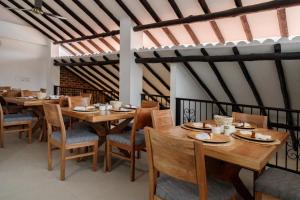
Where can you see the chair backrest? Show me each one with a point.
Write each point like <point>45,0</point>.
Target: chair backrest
<point>54,118</point>
<point>63,101</point>
<point>162,119</point>
<point>86,95</point>
<point>27,93</point>
<point>78,101</point>
<point>5,87</point>
<point>260,120</point>
<point>149,104</point>
<point>13,93</point>
<point>142,119</point>
<point>176,157</point>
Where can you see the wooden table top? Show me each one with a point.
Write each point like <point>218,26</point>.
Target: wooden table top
<point>98,116</point>
<point>245,154</point>
<point>28,102</point>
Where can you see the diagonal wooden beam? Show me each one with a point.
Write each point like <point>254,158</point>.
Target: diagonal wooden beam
<point>156,18</point>
<point>166,66</point>
<point>201,83</point>
<point>250,81</point>
<point>221,80</point>
<point>187,27</point>
<point>213,24</point>
<point>88,63</point>
<point>244,21</point>
<point>281,16</point>
<point>156,75</point>
<point>105,69</point>
<point>113,65</point>
<point>285,95</point>
<point>71,26</point>
<point>137,22</point>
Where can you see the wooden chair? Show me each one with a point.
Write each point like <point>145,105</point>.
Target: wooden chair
<point>28,93</point>
<point>12,108</point>
<point>78,101</point>
<point>12,123</point>
<point>149,104</point>
<point>162,119</point>
<point>13,93</point>
<point>259,120</point>
<point>275,184</point>
<point>66,140</point>
<point>131,141</point>
<point>181,164</point>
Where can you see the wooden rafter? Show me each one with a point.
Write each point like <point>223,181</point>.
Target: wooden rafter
<point>107,11</point>
<point>137,22</point>
<point>221,80</point>
<point>156,18</point>
<point>166,66</point>
<point>244,21</point>
<point>285,95</point>
<point>233,12</point>
<point>250,81</point>
<point>156,75</point>
<point>106,70</point>
<point>187,27</point>
<point>201,83</point>
<point>213,24</point>
<point>281,16</point>
<point>109,62</point>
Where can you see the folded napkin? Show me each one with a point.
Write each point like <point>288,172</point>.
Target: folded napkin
<point>262,137</point>
<point>202,136</point>
<point>239,124</point>
<point>80,108</point>
<point>246,132</point>
<point>200,125</point>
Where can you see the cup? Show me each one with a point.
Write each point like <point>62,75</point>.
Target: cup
<point>102,107</point>
<point>228,129</point>
<point>216,130</point>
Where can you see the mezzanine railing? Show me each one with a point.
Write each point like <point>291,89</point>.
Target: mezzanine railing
<point>164,101</point>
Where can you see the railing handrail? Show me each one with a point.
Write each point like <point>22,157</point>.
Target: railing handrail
<point>244,105</point>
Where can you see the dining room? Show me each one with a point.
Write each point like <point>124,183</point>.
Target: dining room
<point>158,100</point>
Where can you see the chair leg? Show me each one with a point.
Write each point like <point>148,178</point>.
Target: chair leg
<point>95,157</point>
<point>49,156</point>
<point>108,156</point>
<point>132,165</point>
<point>258,196</point>
<point>30,133</point>
<point>62,164</point>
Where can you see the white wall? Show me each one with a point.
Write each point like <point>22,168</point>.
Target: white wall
<point>25,58</point>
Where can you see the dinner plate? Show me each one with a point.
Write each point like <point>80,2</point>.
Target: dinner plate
<point>197,125</point>
<point>248,137</point>
<point>213,138</point>
<point>236,124</point>
<point>87,111</point>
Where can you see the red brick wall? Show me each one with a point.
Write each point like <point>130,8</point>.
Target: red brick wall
<point>69,79</point>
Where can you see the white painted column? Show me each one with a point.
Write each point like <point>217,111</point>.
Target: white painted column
<point>131,74</point>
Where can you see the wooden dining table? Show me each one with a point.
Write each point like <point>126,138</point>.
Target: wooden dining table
<point>37,108</point>
<point>226,160</point>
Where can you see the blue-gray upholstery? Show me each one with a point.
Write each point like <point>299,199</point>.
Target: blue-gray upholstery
<point>279,183</point>
<point>169,188</point>
<point>76,135</point>
<point>17,117</point>
<point>124,138</point>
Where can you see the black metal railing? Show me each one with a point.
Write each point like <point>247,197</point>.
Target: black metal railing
<point>287,158</point>
<point>98,96</point>
<point>164,101</point>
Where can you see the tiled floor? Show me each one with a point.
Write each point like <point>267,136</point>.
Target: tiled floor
<point>24,176</point>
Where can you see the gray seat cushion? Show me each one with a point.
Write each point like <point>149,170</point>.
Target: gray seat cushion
<point>279,183</point>
<point>169,188</point>
<point>124,138</point>
<point>17,117</point>
<point>76,135</point>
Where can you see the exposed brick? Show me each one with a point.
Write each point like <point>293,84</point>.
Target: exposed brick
<point>69,79</point>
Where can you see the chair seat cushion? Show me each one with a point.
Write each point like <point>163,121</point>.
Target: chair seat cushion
<point>17,117</point>
<point>76,135</point>
<point>124,138</point>
<point>279,183</point>
<point>169,188</point>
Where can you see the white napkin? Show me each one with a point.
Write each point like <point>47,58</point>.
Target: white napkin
<point>200,125</point>
<point>262,137</point>
<point>239,124</point>
<point>246,132</point>
<point>80,108</point>
<point>203,136</point>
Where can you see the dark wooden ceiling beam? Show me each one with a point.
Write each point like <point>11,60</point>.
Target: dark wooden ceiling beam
<point>107,11</point>
<point>156,75</point>
<point>213,24</point>
<point>223,58</point>
<point>221,80</point>
<point>166,66</point>
<point>105,69</point>
<point>75,29</point>
<point>187,27</point>
<point>156,18</point>
<point>283,27</point>
<point>233,12</point>
<point>201,83</point>
<point>154,88</point>
<point>137,22</point>
<point>97,21</point>
<point>244,22</point>
<point>88,63</point>
<point>250,81</point>
<point>285,95</point>
<point>113,65</point>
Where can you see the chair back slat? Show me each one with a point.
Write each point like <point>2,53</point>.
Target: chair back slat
<point>13,93</point>
<point>27,93</point>
<point>149,104</point>
<point>162,119</point>
<point>259,120</point>
<point>78,101</point>
<point>143,118</point>
<point>53,115</point>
